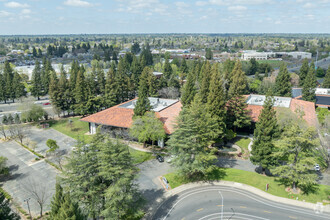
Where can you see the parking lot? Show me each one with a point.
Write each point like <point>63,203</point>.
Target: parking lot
<point>27,176</point>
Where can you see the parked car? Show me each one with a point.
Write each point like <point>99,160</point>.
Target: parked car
<point>46,103</point>
<point>317,167</point>
<point>160,158</point>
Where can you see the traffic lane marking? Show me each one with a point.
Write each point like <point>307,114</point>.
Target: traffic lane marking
<point>267,211</point>
<point>243,207</point>
<point>292,217</point>
<point>198,210</point>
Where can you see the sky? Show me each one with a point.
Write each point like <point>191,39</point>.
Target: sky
<point>24,17</point>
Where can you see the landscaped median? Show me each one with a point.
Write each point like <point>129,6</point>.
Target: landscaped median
<point>256,180</point>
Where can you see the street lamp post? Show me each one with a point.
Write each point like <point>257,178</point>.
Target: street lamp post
<point>28,205</point>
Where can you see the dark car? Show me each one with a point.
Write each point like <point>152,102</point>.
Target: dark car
<point>160,158</point>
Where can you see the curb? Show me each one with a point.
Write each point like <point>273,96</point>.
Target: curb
<point>152,210</point>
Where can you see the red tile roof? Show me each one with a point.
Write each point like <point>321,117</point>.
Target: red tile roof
<point>307,107</point>
<point>122,117</point>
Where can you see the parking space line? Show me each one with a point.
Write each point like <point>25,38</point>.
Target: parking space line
<point>267,211</point>
<point>198,210</point>
<point>243,207</point>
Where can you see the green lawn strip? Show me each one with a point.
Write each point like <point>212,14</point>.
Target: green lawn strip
<point>78,130</point>
<point>140,156</point>
<point>243,142</point>
<point>256,180</point>
<point>32,151</point>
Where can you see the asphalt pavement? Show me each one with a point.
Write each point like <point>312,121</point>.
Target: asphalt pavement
<point>224,202</point>
<point>27,176</point>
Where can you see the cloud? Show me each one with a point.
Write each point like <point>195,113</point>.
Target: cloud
<point>26,11</point>
<point>181,4</point>
<point>4,14</point>
<point>16,5</point>
<point>308,5</point>
<point>77,3</point>
<point>237,8</point>
<point>142,6</point>
<point>233,2</point>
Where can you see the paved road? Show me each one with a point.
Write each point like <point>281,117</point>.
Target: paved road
<point>26,173</point>
<point>148,180</point>
<point>324,63</point>
<point>223,202</point>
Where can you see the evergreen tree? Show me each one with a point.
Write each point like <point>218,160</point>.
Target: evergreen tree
<point>143,104</point>
<point>195,132</point>
<point>283,85</point>
<point>188,90</point>
<point>239,83</point>
<point>303,72</point>
<point>123,79</point>
<point>100,77</point>
<point>2,88</point>
<point>167,70</point>
<point>36,83</point>
<point>308,92</point>
<point>216,100</point>
<point>296,150</point>
<point>205,81</point>
<point>237,113</point>
<point>8,75</point>
<point>266,131</point>
<point>34,52</point>
<point>152,84</point>
<point>69,210</point>
<point>5,212</point>
<point>209,54</point>
<point>253,66</point>
<point>45,75</point>
<point>326,82</point>
<point>146,54</point>
<point>111,88</point>
<point>18,86</point>
<point>227,69</point>
<point>80,94</point>
<point>57,201</point>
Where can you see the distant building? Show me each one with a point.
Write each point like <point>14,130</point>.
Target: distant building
<point>157,74</point>
<point>249,54</point>
<point>322,96</point>
<point>300,55</point>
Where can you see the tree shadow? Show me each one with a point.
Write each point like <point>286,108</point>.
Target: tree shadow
<point>226,162</point>
<point>157,205</point>
<point>310,188</point>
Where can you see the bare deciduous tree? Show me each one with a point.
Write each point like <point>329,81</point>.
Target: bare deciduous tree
<point>39,192</point>
<point>169,93</point>
<point>17,132</point>
<point>3,131</point>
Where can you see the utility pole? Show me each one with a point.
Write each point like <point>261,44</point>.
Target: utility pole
<point>28,205</point>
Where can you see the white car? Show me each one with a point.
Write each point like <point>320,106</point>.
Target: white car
<point>317,167</point>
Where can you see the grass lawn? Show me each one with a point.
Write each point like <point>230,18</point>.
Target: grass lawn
<point>243,142</point>
<point>256,180</point>
<point>78,130</point>
<point>140,156</point>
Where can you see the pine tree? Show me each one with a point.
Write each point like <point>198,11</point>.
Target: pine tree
<point>303,72</point>
<point>216,100</point>
<point>18,86</point>
<point>167,70</point>
<point>57,201</point>
<point>2,88</point>
<point>5,211</point>
<point>296,150</point>
<point>239,83</point>
<point>152,84</point>
<point>227,69</point>
<point>122,80</point>
<point>188,90</point>
<point>8,75</point>
<point>265,133</point>
<point>326,82</point>
<point>143,104</point>
<point>205,81</point>
<point>196,131</point>
<point>36,83</point>
<point>111,88</point>
<point>283,85</point>
<point>100,77</point>
<point>308,92</point>
<point>45,75</point>
<point>80,94</point>
<point>69,210</point>
<point>237,113</point>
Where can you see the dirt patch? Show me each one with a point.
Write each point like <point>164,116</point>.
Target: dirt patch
<point>292,191</point>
